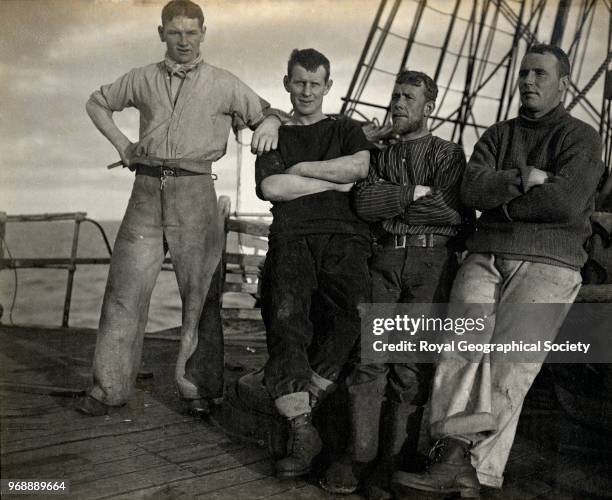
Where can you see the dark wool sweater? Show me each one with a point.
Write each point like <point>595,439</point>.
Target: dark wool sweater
<point>548,223</point>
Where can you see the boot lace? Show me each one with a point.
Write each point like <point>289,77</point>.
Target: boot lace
<point>435,452</point>
<point>299,439</point>
<point>297,444</point>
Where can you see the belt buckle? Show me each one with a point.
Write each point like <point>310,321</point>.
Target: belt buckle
<point>165,173</point>
<point>396,241</point>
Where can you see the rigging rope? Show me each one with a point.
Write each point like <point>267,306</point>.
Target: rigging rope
<point>592,81</point>
<point>465,19</point>
<point>586,44</point>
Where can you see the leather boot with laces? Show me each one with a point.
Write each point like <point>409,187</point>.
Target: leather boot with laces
<point>303,446</point>
<point>343,476</point>
<point>451,471</point>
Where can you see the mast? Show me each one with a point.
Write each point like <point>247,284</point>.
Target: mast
<point>560,22</point>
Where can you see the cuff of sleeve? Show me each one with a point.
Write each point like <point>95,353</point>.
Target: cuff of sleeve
<point>524,173</point>
<point>278,113</point>
<point>98,97</point>
<point>406,195</point>
<point>256,121</point>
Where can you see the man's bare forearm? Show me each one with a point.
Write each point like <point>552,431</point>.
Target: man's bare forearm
<point>345,169</point>
<point>287,187</point>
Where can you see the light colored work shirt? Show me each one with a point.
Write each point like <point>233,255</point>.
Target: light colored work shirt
<point>195,126</point>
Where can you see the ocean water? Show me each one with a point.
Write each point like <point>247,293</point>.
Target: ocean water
<point>40,293</point>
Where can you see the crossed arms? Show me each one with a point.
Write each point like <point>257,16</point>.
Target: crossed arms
<point>275,183</point>
<point>378,198</point>
<point>528,194</point>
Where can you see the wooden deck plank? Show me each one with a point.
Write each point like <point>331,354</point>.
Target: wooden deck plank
<point>107,445</point>
<point>117,468</point>
<point>104,426</point>
<point>202,484</point>
<point>6,362</point>
<point>199,450</point>
<point>172,440</point>
<point>255,490</point>
<point>107,487</point>
<point>160,439</point>
<point>139,408</point>
<point>229,457</point>
<point>124,428</point>
<point>14,399</point>
<point>82,467</point>
<point>161,454</point>
<point>312,492</point>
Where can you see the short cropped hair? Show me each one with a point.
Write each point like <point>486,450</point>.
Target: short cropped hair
<point>186,8</point>
<point>309,59</point>
<point>419,79</point>
<point>560,55</point>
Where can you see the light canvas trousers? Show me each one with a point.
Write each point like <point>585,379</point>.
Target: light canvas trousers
<point>482,401</point>
<point>183,215</point>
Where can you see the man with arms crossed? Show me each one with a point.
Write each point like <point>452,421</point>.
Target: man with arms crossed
<point>186,110</point>
<point>412,194</point>
<point>316,270</point>
<point>534,179</point>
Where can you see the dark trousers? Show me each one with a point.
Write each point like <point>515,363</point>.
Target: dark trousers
<point>405,275</point>
<point>311,288</point>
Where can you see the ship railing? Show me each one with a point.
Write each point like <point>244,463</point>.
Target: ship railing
<point>243,269</point>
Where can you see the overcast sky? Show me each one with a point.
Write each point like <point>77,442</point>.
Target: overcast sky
<point>53,54</point>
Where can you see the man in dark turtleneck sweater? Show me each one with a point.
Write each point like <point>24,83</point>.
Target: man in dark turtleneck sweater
<point>534,180</point>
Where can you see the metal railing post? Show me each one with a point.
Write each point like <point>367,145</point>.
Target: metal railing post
<point>78,218</point>
<point>2,236</point>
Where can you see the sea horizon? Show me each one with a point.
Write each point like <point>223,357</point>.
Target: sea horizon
<point>40,292</point>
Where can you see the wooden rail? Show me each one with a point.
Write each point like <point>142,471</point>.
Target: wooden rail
<point>69,263</point>
<point>243,267</point>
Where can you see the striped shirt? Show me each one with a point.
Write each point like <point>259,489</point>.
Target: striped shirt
<point>386,196</point>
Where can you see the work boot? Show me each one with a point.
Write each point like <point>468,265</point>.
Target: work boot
<point>90,406</point>
<point>201,407</point>
<point>451,471</point>
<point>343,476</point>
<point>303,443</point>
<point>401,426</point>
<point>303,446</point>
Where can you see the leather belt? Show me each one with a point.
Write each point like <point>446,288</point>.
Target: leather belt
<point>413,240</point>
<point>194,166</point>
<point>160,172</point>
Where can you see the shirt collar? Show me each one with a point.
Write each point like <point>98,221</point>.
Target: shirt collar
<point>181,70</point>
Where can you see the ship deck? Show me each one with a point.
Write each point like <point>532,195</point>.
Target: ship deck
<point>150,449</point>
